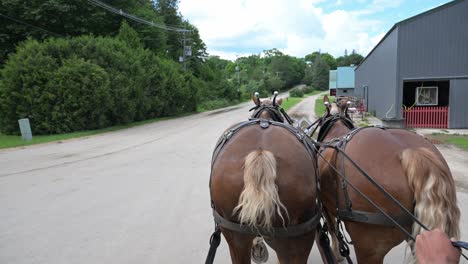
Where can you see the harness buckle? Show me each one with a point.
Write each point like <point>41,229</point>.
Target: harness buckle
<point>264,123</point>
<point>343,247</point>
<point>228,134</point>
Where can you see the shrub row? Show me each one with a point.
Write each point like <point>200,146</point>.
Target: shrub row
<point>83,83</point>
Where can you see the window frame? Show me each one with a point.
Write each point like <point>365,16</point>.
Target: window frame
<point>418,89</point>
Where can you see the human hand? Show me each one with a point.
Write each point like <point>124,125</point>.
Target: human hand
<point>435,247</point>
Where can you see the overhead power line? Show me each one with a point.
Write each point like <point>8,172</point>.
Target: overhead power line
<point>21,22</point>
<point>135,18</point>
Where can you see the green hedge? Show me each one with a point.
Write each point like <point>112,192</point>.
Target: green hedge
<point>296,92</point>
<point>66,85</point>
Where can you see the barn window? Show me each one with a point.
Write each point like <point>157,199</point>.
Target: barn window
<point>427,95</point>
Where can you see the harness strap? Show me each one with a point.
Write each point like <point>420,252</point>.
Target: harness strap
<point>324,243</point>
<point>374,218</point>
<point>288,231</point>
<point>288,118</point>
<point>343,247</point>
<point>274,112</point>
<point>215,240</point>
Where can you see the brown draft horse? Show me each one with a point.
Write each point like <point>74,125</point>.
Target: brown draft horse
<point>408,166</point>
<point>264,178</point>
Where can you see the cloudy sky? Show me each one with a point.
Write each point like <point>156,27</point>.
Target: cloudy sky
<point>233,28</point>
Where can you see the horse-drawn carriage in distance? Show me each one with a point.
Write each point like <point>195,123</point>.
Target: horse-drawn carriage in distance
<point>272,183</point>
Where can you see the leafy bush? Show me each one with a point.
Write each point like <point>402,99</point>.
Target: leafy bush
<point>77,97</point>
<point>253,87</point>
<point>296,92</point>
<point>307,89</point>
<point>83,83</point>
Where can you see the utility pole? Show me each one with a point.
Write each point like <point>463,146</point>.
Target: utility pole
<point>184,41</point>
<point>238,79</point>
<point>187,50</point>
<point>238,76</point>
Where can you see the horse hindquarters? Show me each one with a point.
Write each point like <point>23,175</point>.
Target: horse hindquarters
<point>434,191</point>
<point>259,201</point>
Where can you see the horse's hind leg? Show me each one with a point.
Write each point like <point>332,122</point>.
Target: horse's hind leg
<point>371,242</point>
<point>294,250</point>
<point>240,246</point>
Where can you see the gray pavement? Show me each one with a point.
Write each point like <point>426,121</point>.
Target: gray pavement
<point>138,195</point>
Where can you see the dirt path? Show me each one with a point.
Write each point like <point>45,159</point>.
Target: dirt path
<point>457,160</point>
<point>305,110</point>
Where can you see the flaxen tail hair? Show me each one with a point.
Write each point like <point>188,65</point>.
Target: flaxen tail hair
<point>434,191</point>
<point>259,201</point>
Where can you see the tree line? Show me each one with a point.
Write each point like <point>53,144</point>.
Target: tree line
<point>68,66</point>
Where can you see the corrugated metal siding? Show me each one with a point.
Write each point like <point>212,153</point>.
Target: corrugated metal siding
<point>436,44</point>
<point>433,46</point>
<point>345,77</point>
<point>379,73</point>
<point>458,108</point>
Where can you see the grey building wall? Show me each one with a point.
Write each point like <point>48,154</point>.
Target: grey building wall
<point>434,46</point>
<point>379,73</point>
<point>458,109</point>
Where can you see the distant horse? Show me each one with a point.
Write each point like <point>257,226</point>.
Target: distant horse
<point>405,164</point>
<point>263,183</point>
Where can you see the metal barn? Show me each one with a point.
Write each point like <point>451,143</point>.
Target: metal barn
<point>417,75</point>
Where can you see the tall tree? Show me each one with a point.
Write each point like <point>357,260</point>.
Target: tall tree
<point>128,35</point>
<point>320,74</point>
<point>326,57</point>
<point>355,59</point>
<point>169,11</point>
<point>311,57</point>
<point>41,19</point>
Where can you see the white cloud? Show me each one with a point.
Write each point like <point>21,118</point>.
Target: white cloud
<point>228,55</point>
<point>296,27</point>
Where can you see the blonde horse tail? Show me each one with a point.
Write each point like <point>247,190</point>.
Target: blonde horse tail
<point>259,201</point>
<point>434,191</point>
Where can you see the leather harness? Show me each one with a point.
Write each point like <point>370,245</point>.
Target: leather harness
<point>288,231</point>
<point>347,213</point>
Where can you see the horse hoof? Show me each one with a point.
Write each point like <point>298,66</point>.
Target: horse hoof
<point>259,251</point>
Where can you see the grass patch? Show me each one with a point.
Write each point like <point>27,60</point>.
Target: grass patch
<point>314,93</point>
<point>290,102</point>
<point>215,104</point>
<point>363,124</point>
<point>7,141</point>
<point>320,107</point>
<point>458,140</point>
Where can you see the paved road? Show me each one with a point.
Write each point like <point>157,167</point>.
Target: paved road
<point>138,195</point>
